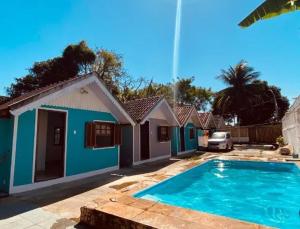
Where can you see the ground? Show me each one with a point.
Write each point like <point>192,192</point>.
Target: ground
<point>59,206</point>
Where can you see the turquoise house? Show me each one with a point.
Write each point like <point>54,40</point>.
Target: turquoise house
<point>185,137</point>
<point>63,132</point>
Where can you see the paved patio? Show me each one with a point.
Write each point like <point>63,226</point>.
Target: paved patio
<point>59,206</point>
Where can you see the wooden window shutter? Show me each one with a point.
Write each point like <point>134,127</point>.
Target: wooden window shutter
<point>169,132</point>
<point>118,135</point>
<point>89,135</point>
<point>159,137</point>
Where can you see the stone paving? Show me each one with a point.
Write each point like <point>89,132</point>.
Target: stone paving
<point>59,206</point>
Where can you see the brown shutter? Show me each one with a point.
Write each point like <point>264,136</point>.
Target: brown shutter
<point>118,135</point>
<point>89,135</point>
<point>159,137</point>
<point>169,133</point>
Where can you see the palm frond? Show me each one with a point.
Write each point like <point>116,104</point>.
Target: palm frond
<point>270,9</point>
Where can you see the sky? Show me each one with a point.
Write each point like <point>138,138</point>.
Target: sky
<point>142,31</point>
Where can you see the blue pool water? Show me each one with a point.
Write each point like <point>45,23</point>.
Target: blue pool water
<point>260,192</point>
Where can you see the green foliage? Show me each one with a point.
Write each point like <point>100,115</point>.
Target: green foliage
<point>270,9</point>
<point>79,59</point>
<point>248,99</point>
<point>75,60</point>
<point>280,141</point>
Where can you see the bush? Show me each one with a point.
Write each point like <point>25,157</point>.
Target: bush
<point>280,141</point>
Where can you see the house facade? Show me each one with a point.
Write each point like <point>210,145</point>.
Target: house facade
<point>291,126</point>
<point>150,138</point>
<point>63,132</point>
<point>185,136</point>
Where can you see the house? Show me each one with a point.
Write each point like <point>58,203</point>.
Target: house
<point>208,121</point>
<point>65,131</point>
<point>291,126</point>
<point>150,138</point>
<point>209,126</point>
<point>185,137</point>
<point>219,122</point>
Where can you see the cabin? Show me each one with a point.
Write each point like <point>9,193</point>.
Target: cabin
<point>150,138</point>
<point>185,136</point>
<point>59,133</point>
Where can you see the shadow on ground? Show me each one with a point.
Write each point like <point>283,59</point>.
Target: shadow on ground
<point>21,203</point>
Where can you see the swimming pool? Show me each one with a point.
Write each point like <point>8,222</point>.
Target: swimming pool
<point>259,192</point>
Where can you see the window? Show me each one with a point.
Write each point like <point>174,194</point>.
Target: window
<point>192,133</point>
<point>163,133</point>
<point>57,136</point>
<point>101,134</point>
<point>104,134</point>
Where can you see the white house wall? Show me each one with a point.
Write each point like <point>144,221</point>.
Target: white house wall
<point>84,99</point>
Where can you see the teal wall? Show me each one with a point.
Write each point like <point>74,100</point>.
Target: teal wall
<point>24,148</point>
<point>6,135</point>
<point>190,144</point>
<point>175,141</point>
<point>79,159</point>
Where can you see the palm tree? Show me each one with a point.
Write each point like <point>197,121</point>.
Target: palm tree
<point>241,92</point>
<point>270,9</point>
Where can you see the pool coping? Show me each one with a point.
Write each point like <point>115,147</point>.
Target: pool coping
<point>141,211</point>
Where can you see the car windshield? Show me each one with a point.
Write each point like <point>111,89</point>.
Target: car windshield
<point>218,135</point>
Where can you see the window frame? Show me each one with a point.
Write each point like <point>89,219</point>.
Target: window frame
<point>90,136</point>
<point>112,130</point>
<point>167,135</point>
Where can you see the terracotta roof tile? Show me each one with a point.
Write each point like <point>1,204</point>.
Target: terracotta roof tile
<point>139,108</point>
<point>204,117</point>
<point>182,112</point>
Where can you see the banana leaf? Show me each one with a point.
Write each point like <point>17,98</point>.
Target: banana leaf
<point>270,9</point>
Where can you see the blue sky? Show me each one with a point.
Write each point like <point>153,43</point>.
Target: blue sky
<point>143,32</point>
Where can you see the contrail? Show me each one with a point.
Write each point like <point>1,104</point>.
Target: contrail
<point>176,44</point>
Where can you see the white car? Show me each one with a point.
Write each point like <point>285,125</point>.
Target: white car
<point>220,141</point>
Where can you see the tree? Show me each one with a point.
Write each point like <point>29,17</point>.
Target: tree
<point>109,67</point>
<point>270,9</point>
<point>271,108</point>
<point>248,99</point>
<point>75,60</point>
<point>189,94</point>
<point>240,91</point>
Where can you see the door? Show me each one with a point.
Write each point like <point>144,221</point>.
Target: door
<point>126,148</point>
<point>145,151</point>
<point>50,145</point>
<point>182,142</point>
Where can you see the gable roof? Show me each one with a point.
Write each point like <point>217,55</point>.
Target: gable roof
<point>219,121</point>
<point>206,118</point>
<point>138,109</point>
<point>183,113</point>
<point>42,93</point>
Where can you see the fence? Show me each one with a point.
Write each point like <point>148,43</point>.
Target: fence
<point>259,134</point>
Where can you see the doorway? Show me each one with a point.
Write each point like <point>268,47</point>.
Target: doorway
<point>144,133</point>
<point>50,145</point>
<point>182,142</point>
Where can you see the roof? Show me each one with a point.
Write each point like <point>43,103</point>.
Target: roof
<point>35,93</point>
<point>183,112</point>
<point>138,109</point>
<point>205,119</point>
<point>219,121</point>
